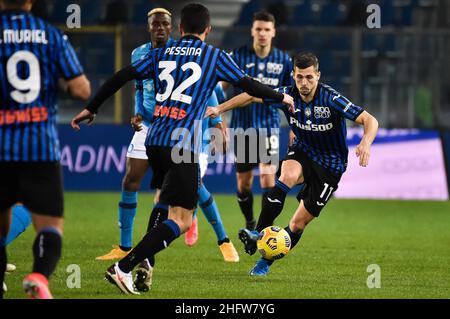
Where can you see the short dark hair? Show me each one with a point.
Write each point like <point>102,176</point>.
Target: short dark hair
<point>264,16</point>
<point>194,18</point>
<point>304,60</point>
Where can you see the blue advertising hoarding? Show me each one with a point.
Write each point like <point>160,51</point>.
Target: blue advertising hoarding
<point>94,159</point>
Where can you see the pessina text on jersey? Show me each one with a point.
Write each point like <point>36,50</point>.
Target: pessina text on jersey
<point>183,51</point>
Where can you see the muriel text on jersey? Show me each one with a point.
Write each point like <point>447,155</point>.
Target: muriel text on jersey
<point>24,36</point>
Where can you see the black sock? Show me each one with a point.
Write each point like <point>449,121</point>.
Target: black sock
<point>3,261</point>
<point>265,193</point>
<point>158,215</point>
<point>153,242</point>
<point>245,201</point>
<point>47,251</point>
<point>225,240</point>
<point>272,205</point>
<point>295,237</point>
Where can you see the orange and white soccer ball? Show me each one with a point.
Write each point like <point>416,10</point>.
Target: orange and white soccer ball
<point>273,243</point>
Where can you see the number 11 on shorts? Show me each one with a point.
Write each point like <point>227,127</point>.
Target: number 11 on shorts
<point>326,187</point>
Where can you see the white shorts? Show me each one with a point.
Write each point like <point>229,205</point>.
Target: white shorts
<point>136,149</point>
<point>203,162</point>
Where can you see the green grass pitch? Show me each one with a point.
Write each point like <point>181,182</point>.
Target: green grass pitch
<point>408,240</point>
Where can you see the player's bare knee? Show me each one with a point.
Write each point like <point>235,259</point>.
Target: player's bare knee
<point>182,217</point>
<point>131,183</point>
<point>184,224</point>
<point>297,225</point>
<point>300,221</point>
<point>289,178</point>
<point>41,222</point>
<point>244,182</point>
<point>244,186</point>
<point>267,180</point>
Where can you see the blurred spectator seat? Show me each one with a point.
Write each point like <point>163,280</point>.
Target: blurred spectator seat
<point>116,13</point>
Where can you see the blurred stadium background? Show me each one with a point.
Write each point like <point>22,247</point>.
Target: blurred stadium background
<point>396,71</point>
<point>399,73</point>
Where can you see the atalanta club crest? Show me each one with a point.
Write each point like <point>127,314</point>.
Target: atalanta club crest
<point>307,112</point>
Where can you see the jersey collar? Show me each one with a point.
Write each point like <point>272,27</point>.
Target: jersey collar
<point>316,94</point>
<point>190,37</point>
<point>252,51</point>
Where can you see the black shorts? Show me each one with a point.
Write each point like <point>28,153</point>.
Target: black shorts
<point>248,156</point>
<point>38,186</point>
<point>319,185</point>
<point>179,182</point>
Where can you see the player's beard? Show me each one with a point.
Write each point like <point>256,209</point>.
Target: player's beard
<point>305,92</point>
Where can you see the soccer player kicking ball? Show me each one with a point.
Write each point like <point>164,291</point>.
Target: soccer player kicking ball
<point>318,156</point>
<point>185,73</point>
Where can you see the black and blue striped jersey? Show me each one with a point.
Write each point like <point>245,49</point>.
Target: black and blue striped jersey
<point>274,70</point>
<point>319,126</point>
<point>185,72</point>
<point>33,56</point>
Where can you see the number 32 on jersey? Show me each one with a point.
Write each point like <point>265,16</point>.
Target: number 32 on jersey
<point>177,93</point>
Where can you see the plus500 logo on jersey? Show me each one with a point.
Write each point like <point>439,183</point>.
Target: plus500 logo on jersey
<point>311,127</point>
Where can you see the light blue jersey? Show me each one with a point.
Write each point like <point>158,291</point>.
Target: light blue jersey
<point>210,122</point>
<point>144,99</point>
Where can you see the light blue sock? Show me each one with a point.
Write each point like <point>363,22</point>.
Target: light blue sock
<point>127,212</point>
<point>21,219</point>
<point>211,212</point>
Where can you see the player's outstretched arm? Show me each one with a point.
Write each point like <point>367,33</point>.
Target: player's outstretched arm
<point>370,124</point>
<point>240,100</point>
<point>259,90</point>
<point>111,86</point>
<point>84,115</point>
